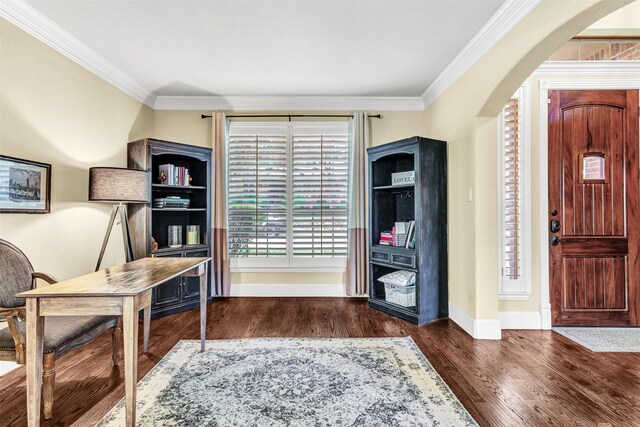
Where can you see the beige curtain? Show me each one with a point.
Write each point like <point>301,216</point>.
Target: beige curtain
<point>358,253</point>
<point>221,285</point>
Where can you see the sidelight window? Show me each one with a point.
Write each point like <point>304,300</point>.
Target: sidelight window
<point>515,189</point>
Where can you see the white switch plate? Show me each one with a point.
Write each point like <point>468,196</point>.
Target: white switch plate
<point>470,195</point>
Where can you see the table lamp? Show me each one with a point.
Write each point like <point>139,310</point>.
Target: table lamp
<point>119,186</point>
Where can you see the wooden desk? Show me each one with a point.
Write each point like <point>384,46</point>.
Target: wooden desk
<point>118,291</point>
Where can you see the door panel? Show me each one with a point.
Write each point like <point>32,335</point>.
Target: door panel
<point>593,197</point>
<point>589,205</point>
<point>594,283</point>
<point>168,293</point>
<point>192,284</point>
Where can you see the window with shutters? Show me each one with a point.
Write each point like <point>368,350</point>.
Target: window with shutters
<point>512,190</point>
<point>287,196</point>
<point>515,190</point>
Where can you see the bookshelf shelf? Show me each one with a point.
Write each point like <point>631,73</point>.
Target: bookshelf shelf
<point>179,209</point>
<point>394,248</point>
<point>403,188</point>
<point>422,204</point>
<point>178,187</point>
<point>165,249</point>
<point>406,313</point>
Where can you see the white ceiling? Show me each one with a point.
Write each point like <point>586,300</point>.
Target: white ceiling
<point>275,47</point>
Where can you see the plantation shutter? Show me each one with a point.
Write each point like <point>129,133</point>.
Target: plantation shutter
<point>319,193</point>
<point>512,190</point>
<point>257,194</point>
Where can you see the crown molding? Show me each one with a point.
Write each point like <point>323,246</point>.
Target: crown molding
<point>589,68</point>
<point>289,103</point>
<point>509,14</point>
<point>582,84</point>
<point>39,26</point>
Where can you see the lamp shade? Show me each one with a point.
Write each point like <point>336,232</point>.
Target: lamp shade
<point>119,185</point>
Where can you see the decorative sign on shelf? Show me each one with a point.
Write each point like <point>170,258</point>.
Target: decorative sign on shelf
<point>403,178</point>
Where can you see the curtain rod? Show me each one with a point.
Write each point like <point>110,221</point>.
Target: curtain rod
<point>290,116</point>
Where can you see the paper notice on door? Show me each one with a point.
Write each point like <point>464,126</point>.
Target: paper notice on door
<point>593,168</point>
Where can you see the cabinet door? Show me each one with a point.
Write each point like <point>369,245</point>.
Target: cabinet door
<point>167,293</point>
<point>191,290</point>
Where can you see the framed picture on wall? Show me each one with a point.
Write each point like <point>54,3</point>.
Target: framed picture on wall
<point>25,186</point>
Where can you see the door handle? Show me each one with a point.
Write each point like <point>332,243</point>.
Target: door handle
<point>555,225</point>
<point>554,240</point>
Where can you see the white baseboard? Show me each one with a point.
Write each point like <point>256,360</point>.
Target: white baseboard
<point>287,290</point>
<point>480,329</point>
<point>487,329</point>
<point>461,318</point>
<point>520,320</point>
<point>545,314</point>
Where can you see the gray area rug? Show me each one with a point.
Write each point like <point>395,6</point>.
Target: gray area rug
<point>295,382</point>
<point>604,339</point>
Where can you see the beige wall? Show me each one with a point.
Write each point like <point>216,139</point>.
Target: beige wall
<point>397,125</point>
<point>293,278</point>
<point>627,17</point>
<point>54,111</point>
<point>187,127</point>
<point>466,116</point>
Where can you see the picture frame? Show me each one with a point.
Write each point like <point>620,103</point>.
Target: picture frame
<point>25,186</point>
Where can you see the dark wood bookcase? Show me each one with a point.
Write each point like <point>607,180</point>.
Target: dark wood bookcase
<point>146,221</point>
<point>424,202</point>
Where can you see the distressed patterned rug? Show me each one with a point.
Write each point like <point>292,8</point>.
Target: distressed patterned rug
<point>295,382</point>
<point>604,339</point>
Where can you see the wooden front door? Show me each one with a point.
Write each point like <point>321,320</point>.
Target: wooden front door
<point>594,207</point>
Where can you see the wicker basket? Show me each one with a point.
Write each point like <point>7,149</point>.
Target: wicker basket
<point>401,295</point>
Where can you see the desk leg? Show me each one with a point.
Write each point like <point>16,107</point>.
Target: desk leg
<point>35,342</point>
<point>146,314</point>
<point>203,307</point>
<point>130,329</point>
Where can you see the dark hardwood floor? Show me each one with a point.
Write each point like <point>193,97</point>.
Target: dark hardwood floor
<point>529,378</point>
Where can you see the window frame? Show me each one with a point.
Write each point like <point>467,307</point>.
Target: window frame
<point>516,289</point>
<point>290,263</point>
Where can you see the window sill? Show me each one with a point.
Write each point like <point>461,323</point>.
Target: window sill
<point>288,270</point>
<point>521,296</point>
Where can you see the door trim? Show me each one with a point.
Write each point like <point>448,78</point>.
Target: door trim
<point>544,87</point>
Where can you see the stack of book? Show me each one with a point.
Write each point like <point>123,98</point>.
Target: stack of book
<point>403,234</point>
<point>386,238</point>
<point>173,175</point>
<point>174,202</point>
